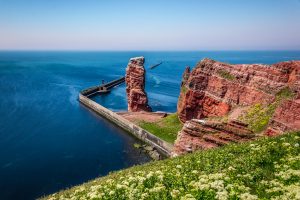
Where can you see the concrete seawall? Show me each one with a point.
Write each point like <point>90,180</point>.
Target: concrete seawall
<point>102,88</point>
<point>150,139</point>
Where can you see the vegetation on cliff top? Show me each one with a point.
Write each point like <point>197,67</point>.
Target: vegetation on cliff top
<point>265,169</point>
<point>225,74</point>
<point>166,129</point>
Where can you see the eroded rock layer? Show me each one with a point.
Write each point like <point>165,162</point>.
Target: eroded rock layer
<point>135,84</point>
<point>202,134</point>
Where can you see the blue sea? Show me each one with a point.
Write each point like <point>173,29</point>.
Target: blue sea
<point>49,141</point>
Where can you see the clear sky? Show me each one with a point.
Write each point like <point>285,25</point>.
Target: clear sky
<point>150,24</point>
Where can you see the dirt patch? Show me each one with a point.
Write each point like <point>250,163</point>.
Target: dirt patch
<point>237,112</point>
<point>137,117</point>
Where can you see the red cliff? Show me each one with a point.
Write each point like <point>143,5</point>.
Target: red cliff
<point>214,89</point>
<point>135,84</point>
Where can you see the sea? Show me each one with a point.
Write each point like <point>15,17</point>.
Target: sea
<point>50,142</point>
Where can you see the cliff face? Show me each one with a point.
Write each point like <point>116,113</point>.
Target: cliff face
<point>135,84</point>
<point>215,89</point>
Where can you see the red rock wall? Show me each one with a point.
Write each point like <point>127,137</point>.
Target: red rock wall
<point>135,84</point>
<point>287,116</point>
<point>206,93</point>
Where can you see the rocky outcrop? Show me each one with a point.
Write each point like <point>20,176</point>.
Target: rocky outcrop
<point>215,89</point>
<point>203,134</point>
<point>135,84</point>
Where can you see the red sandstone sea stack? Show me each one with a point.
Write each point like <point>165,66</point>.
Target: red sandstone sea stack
<point>215,89</point>
<point>135,84</point>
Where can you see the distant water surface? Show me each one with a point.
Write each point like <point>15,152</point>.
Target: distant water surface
<point>48,141</point>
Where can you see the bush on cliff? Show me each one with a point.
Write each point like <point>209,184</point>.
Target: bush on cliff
<point>265,169</point>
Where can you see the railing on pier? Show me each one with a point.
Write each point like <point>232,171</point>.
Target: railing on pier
<point>114,83</point>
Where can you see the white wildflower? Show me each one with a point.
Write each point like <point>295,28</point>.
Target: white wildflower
<point>178,166</point>
<point>248,196</point>
<point>175,193</point>
<point>149,175</point>
<point>231,168</point>
<point>222,195</point>
<point>218,185</point>
<point>286,144</point>
<point>188,197</point>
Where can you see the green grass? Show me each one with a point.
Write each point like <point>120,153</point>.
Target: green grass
<point>285,93</point>
<point>166,129</point>
<point>265,169</point>
<point>258,116</point>
<point>225,74</point>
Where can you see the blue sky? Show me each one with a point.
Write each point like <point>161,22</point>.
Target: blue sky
<point>150,24</point>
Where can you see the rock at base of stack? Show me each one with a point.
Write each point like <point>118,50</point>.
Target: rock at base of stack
<point>135,86</point>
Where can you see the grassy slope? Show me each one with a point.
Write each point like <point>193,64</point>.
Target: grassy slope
<point>257,170</point>
<point>165,129</point>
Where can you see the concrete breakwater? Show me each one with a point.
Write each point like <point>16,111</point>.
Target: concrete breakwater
<point>158,144</point>
<point>104,88</point>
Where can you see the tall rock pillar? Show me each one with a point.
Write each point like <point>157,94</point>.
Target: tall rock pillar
<point>135,85</point>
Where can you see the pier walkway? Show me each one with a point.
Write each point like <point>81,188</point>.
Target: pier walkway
<point>101,89</point>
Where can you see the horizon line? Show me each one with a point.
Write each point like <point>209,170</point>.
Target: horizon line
<point>144,50</point>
